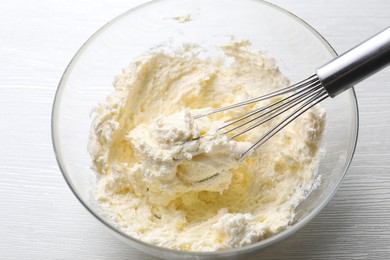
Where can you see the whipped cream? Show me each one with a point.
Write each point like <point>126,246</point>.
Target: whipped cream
<point>173,159</point>
<point>146,152</point>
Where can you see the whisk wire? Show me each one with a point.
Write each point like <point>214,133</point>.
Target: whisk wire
<point>287,103</point>
<point>237,119</point>
<point>302,84</point>
<point>302,96</point>
<point>317,98</point>
<point>276,113</point>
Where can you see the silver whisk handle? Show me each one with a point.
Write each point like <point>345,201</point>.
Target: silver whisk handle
<point>356,64</point>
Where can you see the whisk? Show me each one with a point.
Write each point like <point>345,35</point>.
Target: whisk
<point>329,80</point>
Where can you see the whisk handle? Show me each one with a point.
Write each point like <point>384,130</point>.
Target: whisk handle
<point>356,64</point>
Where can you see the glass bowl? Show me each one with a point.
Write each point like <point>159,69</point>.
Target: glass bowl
<point>297,48</point>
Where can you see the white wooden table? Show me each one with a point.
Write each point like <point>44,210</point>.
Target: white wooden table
<point>41,219</point>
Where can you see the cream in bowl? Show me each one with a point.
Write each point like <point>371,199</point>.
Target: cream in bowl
<point>153,169</point>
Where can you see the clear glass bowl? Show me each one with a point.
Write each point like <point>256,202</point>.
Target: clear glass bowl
<point>297,48</point>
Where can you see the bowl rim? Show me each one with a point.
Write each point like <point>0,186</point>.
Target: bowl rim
<point>228,252</point>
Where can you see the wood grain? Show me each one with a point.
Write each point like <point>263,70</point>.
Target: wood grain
<point>41,219</point>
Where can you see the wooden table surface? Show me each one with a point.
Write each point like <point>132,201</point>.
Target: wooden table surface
<point>40,218</point>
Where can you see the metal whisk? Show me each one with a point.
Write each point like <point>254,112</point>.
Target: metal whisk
<point>330,79</point>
